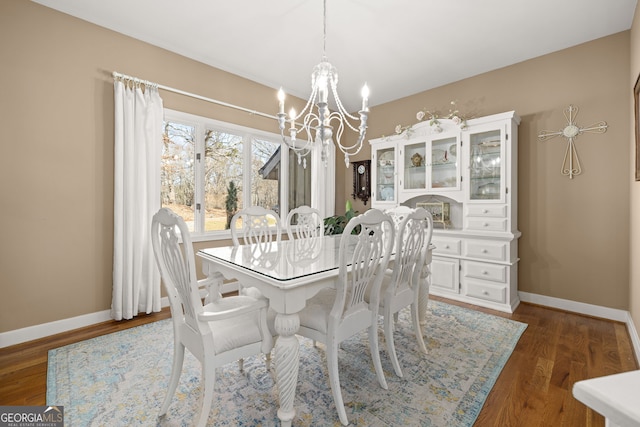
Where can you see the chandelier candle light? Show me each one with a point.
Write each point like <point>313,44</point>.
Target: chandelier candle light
<point>324,78</point>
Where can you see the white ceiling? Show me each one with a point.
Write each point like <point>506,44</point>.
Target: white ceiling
<point>398,47</point>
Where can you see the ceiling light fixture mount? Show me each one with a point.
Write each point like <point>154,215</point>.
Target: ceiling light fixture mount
<point>319,127</point>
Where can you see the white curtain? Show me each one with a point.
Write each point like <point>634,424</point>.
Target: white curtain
<point>138,136</point>
<point>323,180</point>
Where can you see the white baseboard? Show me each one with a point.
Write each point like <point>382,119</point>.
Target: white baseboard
<point>30,333</point>
<point>35,332</point>
<point>576,307</point>
<point>633,332</point>
<point>623,316</point>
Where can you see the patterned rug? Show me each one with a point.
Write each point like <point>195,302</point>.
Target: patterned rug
<point>120,379</point>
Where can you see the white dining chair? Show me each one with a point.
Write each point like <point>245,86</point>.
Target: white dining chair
<point>401,285</point>
<point>334,315</point>
<point>257,226</point>
<point>304,222</point>
<point>222,331</point>
<point>398,214</point>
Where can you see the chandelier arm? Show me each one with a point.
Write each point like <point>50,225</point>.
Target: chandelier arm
<point>309,104</point>
<point>301,151</point>
<point>358,144</point>
<point>341,108</point>
<point>307,125</point>
<point>307,147</point>
<point>352,127</point>
<point>309,119</point>
<point>339,131</point>
<point>341,116</point>
<point>347,149</point>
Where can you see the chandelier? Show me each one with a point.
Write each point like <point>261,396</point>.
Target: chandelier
<point>319,126</point>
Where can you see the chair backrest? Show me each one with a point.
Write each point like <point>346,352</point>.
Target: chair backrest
<point>398,214</point>
<point>304,222</point>
<point>177,267</point>
<point>413,238</point>
<point>263,255</point>
<point>258,225</point>
<point>426,218</point>
<point>302,252</point>
<point>364,257</point>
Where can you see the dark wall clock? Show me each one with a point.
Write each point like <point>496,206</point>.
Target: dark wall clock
<point>362,180</point>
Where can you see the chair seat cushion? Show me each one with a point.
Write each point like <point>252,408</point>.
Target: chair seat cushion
<point>386,282</point>
<point>316,313</point>
<point>237,331</point>
<point>252,292</point>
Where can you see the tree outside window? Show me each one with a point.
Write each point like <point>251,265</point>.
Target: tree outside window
<point>204,161</point>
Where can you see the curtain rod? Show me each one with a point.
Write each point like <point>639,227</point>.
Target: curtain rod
<point>117,75</point>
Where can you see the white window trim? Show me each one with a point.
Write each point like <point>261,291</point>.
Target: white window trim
<point>199,123</point>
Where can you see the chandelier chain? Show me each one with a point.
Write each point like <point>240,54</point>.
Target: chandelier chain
<point>324,32</point>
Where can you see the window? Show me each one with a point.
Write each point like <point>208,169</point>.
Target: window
<point>211,169</point>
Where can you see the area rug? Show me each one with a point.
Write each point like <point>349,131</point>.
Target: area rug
<point>120,379</point>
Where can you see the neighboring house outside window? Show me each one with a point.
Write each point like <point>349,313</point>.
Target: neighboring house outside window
<point>204,160</point>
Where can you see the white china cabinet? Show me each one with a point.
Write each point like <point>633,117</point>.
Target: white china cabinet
<point>383,175</point>
<point>408,166</point>
<point>469,175</point>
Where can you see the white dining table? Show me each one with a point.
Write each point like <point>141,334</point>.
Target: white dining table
<point>287,273</point>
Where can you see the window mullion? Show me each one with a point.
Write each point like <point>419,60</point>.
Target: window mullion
<point>199,180</point>
<point>247,149</point>
<point>284,181</point>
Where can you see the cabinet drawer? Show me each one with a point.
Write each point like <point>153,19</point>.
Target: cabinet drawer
<point>479,270</point>
<point>492,211</point>
<point>495,251</point>
<point>486,291</point>
<point>486,224</point>
<point>446,245</point>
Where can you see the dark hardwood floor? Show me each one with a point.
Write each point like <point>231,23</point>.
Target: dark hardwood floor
<point>534,389</point>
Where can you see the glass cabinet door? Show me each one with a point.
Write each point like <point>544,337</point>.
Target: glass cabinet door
<point>485,165</point>
<point>385,173</point>
<point>444,163</point>
<point>413,162</point>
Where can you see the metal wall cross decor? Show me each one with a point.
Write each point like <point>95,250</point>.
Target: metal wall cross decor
<point>571,163</point>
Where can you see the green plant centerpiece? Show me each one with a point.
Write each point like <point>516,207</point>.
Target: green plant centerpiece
<point>335,224</point>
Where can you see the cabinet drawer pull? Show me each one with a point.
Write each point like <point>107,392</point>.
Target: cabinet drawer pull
<point>484,251</point>
<point>486,224</point>
<point>485,211</point>
<point>485,272</point>
<point>446,246</point>
<point>485,292</point>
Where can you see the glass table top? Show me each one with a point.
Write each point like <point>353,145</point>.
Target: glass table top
<point>284,260</point>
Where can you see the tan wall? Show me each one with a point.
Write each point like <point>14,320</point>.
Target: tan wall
<point>575,233</point>
<point>56,165</point>
<point>57,158</point>
<point>634,287</point>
